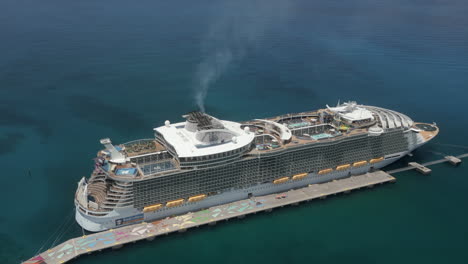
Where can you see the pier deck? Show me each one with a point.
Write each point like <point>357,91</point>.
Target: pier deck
<point>453,160</point>
<point>422,169</point>
<point>459,157</point>
<point>116,238</point>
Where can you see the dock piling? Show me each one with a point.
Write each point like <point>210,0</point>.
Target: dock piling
<point>117,246</point>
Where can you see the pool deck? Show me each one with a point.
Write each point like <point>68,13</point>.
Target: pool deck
<point>116,238</point>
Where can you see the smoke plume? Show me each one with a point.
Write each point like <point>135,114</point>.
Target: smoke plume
<point>238,26</point>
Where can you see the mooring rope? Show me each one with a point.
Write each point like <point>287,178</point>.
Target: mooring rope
<point>62,234</point>
<point>437,153</point>
<point>67,219</point>
<point>451,145</point>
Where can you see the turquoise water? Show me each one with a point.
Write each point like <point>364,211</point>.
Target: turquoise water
<point>72,72</point>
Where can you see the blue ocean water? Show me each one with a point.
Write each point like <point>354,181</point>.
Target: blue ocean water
<point>72,72</point>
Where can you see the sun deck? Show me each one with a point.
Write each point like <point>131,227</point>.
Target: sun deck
<point>301,141</point>
<point>142,147</point>
<point>306,128</point>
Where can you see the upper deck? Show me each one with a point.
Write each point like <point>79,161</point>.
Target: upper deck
<point>141,147</point>
<point>305,128</point>
<point>190,145</point>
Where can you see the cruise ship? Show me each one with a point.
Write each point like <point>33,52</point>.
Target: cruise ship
<point>204,161</point>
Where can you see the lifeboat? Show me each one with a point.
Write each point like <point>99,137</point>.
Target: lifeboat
<point>343,167</point>
<point>376,160</point>
<point>325,171</point>
<point>299,176</point>
<point>174,203</point>
<point>281,180</point>
<point>152,208</point>
<point>360,163</point>
<point>196,198</point>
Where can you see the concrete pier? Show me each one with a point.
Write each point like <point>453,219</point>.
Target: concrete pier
<point>430,163</point>
<point>453,160</point>
<point>420,168</point>
<point>116,238</point>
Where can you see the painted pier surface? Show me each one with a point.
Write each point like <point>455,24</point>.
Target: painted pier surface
<point>115,238</point>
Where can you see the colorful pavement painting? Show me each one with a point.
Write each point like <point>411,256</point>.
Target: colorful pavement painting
<point>62,251</point>
<point>35,260</point>
<point>97,241</point>
<point>225,210</point>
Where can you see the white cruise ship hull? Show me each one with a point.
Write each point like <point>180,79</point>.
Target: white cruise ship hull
<point>95,224</point>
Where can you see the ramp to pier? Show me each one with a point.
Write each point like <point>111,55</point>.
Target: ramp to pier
<point>116,238</point>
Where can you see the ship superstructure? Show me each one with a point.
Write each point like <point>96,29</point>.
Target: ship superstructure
<point>204,161</point>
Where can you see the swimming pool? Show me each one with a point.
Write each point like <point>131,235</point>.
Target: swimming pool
<point>321,136</point>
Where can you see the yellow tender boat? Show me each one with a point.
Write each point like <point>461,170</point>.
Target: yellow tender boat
<point>325,171</point>
<point>360,163</point>
<point>281,180</point>
<point>152,208</point>
<point>343,167</point>
<point>376,160</point>
<point>174,203</point>
<point>197,198</point>
<point>299,176</point>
